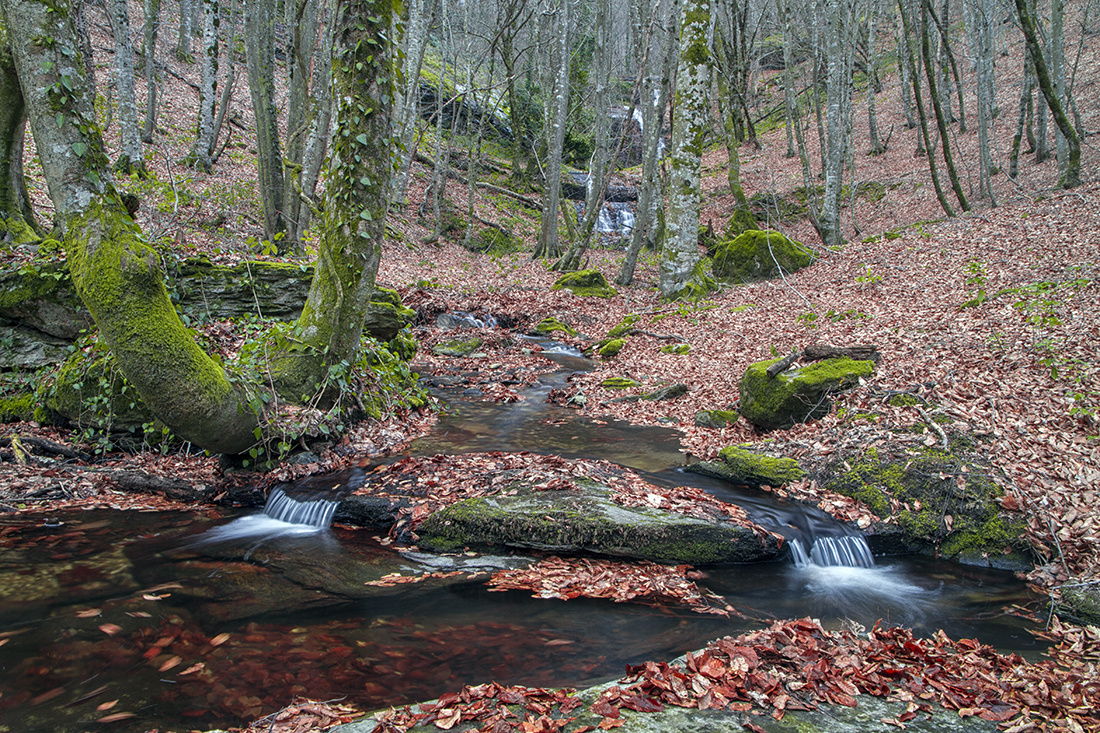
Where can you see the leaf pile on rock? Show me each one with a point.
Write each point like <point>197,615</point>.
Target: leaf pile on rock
<point>797,665</point>
<point>489,707</point>
<point>302,716</point>
<point>642,582</point>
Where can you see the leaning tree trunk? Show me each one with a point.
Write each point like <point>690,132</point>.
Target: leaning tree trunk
<point>330,327</point>
<point>259,34</point>
<point>130,158</point>
<point>937,108</point>
<point>115,272</point>
<point>17,224</point>
<point>680,257</point>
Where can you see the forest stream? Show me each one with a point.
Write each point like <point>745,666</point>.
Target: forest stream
<point>131,621</point>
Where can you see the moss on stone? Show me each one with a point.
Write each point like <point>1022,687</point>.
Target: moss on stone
<point>90,391</point>
<point>611,347</point>
<point>758,255</point>
<point>743,220</point>
<point>585,283</point>
<point>797,395</point>
<point>1082,602</point>
<point>751,467</point>
<point>715,418</point>
<point>903,400</point>
<point>619,383</point>
<point>457,347</point>
<point>493,241</point>
<point>939,500</point>
<point>624,327</point>
<point>17,407</point>
<point>678,349</point>
<point>550,325</point>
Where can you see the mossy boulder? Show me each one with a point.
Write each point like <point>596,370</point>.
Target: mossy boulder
<point>623,327</point>
<point>550,325</point>
<point>610,347</point>
<point>744,465</point>
<point>678,349</point>
<point>457,347</point>
<point>586,520</point>
<point>493,241</point>
<point>942,502</point>
<point>758,255</point>
<point>17,407</point>
<point>799,394</point>
<point>585,283</point>
<point>1082,602</point>
<point>715,418</point>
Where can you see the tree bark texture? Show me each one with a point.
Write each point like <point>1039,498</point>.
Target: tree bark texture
<point>548,244</point>
<point>17,224</point>
<point>680,256</point>
<point>199,157</point>
<point>130,157</point>
<point>259,33</point>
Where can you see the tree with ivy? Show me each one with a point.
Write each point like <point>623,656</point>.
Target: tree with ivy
<point>117,274</point>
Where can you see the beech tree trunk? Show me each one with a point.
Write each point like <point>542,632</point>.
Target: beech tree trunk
<point>150,31</point>
<point>548,244</point>
<point>680,257</point>
<point>17,224</point>
<point>415,42</point>
<point>259,35</point>
<point>115,272</point>
<point>941,115</point>
<point>130,157</point>
<point>200,155</point>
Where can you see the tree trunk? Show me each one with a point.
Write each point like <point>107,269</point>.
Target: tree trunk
<point>1071,178</point>
<point>877,148</point>
<point>149,43</point>
<point>183,43</point>
<point>548,244</point>
<point>1021,117</point>
<point>941,122</point>
<point>979,26</point>
<point>259,33</point>
<point>17,224</point>
<point>130,158</point>
<point>115,272</point>
<point>199,157</point>
<point>680,256</point>
<point>328,332</point>
<point>597,168</point>
<point>415,40</point>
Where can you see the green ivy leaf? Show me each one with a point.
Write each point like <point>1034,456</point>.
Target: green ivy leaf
<point>362,139</point>
<point>80,149</point>
<point>366,215</point>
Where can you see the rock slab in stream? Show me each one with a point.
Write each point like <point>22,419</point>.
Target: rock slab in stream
<point>587,520</point>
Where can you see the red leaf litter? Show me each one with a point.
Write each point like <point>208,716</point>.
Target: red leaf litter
<point>642,582</point>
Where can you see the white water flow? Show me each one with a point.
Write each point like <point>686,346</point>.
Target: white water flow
<point>316,513</point>
<point>848,551</point>
<point>282,516</point>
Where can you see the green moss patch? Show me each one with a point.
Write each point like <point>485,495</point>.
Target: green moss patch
<point>550,325</point>
<point>943,502</point>
<point>715,418</point>
<point>619,383</point>
<point>17,407</point>
<point>610,348</point>
<point>742,464</point>
<point>678,349</point>
<point>623,327</point>
<point>585,283</point>
<point>458,347</point>
<point>758,255</point>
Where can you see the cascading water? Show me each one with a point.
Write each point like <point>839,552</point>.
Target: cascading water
<point>312,513</point>
<point>847,551</point>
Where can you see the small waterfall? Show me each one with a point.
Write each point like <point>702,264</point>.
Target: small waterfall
<point>462,319</point>
<point>847,551</point>
<point>312,513</point>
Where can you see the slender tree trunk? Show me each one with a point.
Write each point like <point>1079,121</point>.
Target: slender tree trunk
<point>1021,117</point>
<point>914,77</point>
<point>941,122</point>
<point>680,259</point>
<point>116,274</point>
<point>1071,178</point>
<point>329,330</point>
<point>229,38</point>
<point>259,30</point>
<point>793,113</point>
<point>838,118</point>
<point>877,148</point>
<point>183,42</point>
<point>905,94</point>
<point>548,244</point>
<point>199,157</point>
<point>150,31</point>
<point>597,168</point>
<point>979,27</point>
<point>17,223</point>
<point>130,157</point>
<point>415,41</point>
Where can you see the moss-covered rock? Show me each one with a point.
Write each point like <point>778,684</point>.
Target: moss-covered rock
<point>796,395</point>
<point>699,285</point>
<point>744,465</point>
<point>610,347</point>
<point>493,241</point>
<point>942,502</point>
<point>619,383</point>
<point>715,418</point>
<point>550,325</point>
<point>678,349</point>
<point>17,407</point>
<point>89,390</point>
<point>586,520</point>
<point>457,347</point>
<point>758,255</point>
<point>1082,602</point>
<point>585,283</point>
<point>623,327</point>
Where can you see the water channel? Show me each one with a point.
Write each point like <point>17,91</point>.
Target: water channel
<point>192,621</point>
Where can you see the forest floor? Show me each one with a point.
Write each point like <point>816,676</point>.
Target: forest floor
<point>1017,370</point>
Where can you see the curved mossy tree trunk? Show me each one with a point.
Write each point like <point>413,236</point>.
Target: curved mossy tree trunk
<point>17,223</point>
<point>680,257</point>
<point>356,193</point>
<point>115,272</point>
